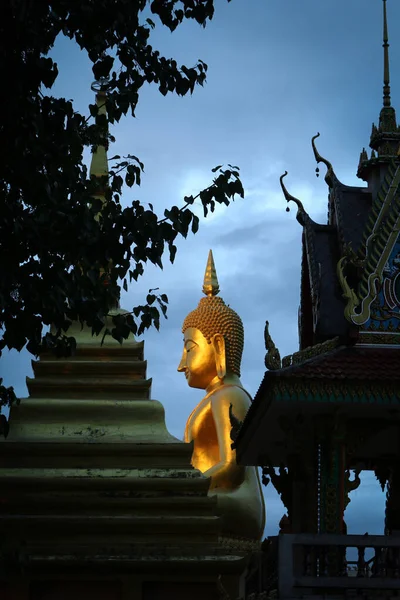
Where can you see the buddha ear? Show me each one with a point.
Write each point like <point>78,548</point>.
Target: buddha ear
<point>218,343</point>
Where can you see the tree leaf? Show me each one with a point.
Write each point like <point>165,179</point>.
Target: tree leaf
<point>68,238</point>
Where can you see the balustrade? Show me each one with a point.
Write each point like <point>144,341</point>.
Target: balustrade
<point>317,564</point>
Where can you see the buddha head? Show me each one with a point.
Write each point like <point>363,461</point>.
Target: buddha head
<point>213,337</point>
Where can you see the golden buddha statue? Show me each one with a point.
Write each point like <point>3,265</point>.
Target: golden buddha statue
<point>212,353</point>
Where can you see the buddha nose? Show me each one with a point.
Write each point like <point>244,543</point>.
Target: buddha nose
<point>182,364</point>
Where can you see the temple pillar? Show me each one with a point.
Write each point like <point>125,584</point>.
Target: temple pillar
<point>332,482</point>
<point>304,492</point>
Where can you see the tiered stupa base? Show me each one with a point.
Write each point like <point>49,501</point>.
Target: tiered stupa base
<point>98,500</point>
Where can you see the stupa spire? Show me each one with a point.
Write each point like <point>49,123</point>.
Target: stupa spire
<point>386,74</point>
<point>99,162</point>
<point>210,284</point>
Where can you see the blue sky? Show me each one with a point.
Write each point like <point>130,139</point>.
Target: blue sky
<point>279,72</point>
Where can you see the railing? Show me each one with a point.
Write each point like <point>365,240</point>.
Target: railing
<point>316,564</point>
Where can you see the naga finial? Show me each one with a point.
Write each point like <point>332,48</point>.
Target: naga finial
<point>210,284</point>
<point>386,77</point>
<point>330,174</point>
<point>300,212</point>
<point>272,358</point>
<point>349,294</point>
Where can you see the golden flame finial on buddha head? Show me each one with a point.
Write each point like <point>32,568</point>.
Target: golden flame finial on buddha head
<point>210,283</point>
<point>221,326</point>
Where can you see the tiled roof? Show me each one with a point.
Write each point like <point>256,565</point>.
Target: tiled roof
<point>376,367</point>
<point>331,320</point>
<point>352,206</point>
<point>356,362</point>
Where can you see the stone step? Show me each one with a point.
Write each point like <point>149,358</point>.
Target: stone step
<point>86,368</point>
<point>116,503</point>
<point>123,526</point>
<point>146,481</point>
<point>88,387</point>
<point>146,558</point>
<point>82,420</point>
<point>125,351</point>
<point>53,455</point>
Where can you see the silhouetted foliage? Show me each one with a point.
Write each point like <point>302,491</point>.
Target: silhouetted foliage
<point>63,254</point>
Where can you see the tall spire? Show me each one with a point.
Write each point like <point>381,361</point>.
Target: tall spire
<point>385,137</point>
<point>210,284</point>
<point>99,163</point>
<point>386,77</point>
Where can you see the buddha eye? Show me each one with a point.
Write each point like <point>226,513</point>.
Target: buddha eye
<point>189,346</point>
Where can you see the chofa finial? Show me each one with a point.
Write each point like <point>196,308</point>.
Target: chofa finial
<point>301,213</point>
<point>272,358</point>
<point>386,77</point>
<point>330,174</point>
<point>210,284</point>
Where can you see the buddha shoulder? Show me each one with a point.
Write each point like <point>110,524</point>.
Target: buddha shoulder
<point>230,395</point>
<point>216,407</point>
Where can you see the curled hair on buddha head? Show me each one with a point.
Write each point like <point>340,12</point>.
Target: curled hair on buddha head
<point>213,316</point>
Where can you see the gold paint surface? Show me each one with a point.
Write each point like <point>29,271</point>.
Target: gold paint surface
<point>210,284</point>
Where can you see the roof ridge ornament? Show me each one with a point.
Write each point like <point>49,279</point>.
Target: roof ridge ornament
<point>272,358</point>
<point>311,352</point>
<point>301,213</point>
<point>386,74</point>
<point>210,284</point>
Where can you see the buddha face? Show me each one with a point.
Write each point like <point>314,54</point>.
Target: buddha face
<point>199,358</point>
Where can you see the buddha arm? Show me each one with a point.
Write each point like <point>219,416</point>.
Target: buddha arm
<point>226,474</point>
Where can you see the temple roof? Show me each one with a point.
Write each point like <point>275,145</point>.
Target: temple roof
<point>345,362</point>
<point>341,256</point>
<point>322,251</point>
<point>359,383</point>
<point>346,261</point>
<point>352,205</point>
